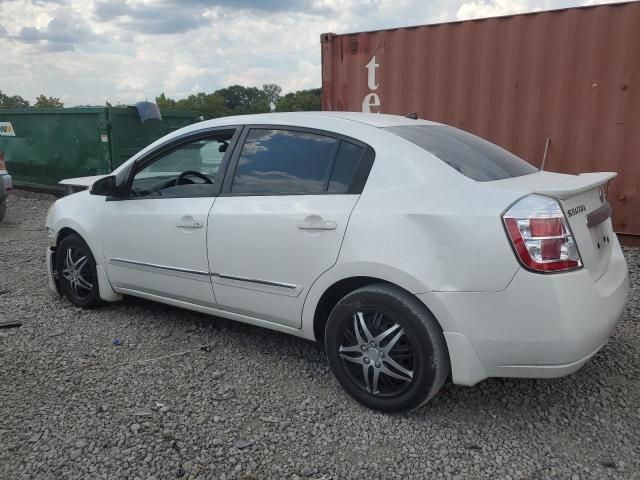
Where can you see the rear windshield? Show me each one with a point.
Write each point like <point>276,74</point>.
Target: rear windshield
<point>470,155</point>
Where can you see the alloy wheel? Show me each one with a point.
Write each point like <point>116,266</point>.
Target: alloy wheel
<point>77,273</point>
<point>377,353</point>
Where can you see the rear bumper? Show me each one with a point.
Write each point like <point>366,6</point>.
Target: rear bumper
<point>539,326</point>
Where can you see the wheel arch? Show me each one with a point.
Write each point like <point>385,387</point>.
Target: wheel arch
<point>332,296</point>
<point>106,290</point>
<point>65,232</point>
<point>326,293</point>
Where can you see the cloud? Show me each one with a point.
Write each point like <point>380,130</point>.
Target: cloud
<point>160,18</point>
<point>492,8</point>
<point>271,6</point>
<point>165,17</point>
<point>589,3</point>
<point>90,51</point>
<point>60,34</point>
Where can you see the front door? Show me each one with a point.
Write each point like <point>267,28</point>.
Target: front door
<point>155,239</point>
<point>280,221</point>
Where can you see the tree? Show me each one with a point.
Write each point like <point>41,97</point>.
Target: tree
<point>48,102</point>
<point>300,101</point>
<point>208,105</point>
<point>233,100</point>
<point>165,103</point>
<point>16,101</point>
<point>240,100</point>
<point>272,92</point>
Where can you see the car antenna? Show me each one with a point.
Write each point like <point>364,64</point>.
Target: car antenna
<point>412,115</point>
<point>544,156</point>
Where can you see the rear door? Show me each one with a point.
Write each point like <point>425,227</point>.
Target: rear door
<point>280,220</point>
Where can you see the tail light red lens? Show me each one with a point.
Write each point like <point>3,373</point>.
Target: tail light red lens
<point>541,236</point>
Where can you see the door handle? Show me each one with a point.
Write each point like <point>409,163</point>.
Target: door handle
<point>188,222</point>
<point>314,222</point>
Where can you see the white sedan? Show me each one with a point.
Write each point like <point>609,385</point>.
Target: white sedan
<point>414,251</point>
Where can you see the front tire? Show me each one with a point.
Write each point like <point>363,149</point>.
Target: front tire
<point>77,274</point>
<point>386,349</point>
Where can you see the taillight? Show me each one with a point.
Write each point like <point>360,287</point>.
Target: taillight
<point>541,236</point>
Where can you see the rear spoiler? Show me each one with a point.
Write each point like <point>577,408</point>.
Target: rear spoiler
<point>575,184</point>
<point>558,185</point>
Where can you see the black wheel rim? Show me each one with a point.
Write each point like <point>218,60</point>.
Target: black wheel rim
<point>377,354</point>
<point>77,273</point>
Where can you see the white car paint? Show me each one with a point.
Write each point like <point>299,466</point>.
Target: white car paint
<point>158,232</point>
<point>81,181</point>
<point>290,240</point>
<point>418,224</point>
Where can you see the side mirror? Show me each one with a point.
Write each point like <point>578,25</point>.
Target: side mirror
<point>106,187</point>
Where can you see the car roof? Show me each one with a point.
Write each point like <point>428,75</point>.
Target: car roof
<point>319,120</point>
<point>379,120</point>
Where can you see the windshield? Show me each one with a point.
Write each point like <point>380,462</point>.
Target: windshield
<point>470,155</point>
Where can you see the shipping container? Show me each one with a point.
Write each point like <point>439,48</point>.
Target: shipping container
<point>43,146</point>
<point>565,81</point>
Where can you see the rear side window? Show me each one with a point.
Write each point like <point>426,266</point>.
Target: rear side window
<point>346,167</point>
<point>281,162</point>
<point>472,156</point>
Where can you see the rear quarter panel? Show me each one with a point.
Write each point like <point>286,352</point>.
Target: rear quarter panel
<point>420,216</point>
<point>423,226</point>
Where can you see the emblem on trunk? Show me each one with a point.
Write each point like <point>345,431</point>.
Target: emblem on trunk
<point>574,211</point>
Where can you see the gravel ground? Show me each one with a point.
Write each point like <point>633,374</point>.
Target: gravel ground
<point>258,404</point>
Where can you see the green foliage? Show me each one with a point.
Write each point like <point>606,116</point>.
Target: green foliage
<point>239,100</point>
<point>233,100</point>
<point>48,102</point>
<point>300,101</point>
<point>209,105</point>
<point>164,103</point>
<point>16,101</point>
<point>272,93</point>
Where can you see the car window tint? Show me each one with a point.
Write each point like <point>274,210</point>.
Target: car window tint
<point>160,178</point>
<point>284,161</point>
<point>345,167</point>
<point>202,156</point>
<point>472,156</point>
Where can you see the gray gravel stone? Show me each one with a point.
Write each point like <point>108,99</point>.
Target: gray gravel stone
<point>241,444</point>
<point>74,406</point>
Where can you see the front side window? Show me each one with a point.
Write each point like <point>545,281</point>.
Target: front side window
<point>188,170</point>
<point>472,156</point>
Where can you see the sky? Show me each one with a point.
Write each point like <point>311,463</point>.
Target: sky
<point>87,52</point>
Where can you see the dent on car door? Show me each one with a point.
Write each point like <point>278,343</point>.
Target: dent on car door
<point>157,240</point>
<point>280,221</point>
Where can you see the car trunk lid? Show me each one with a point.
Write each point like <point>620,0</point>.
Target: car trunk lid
<point>583,199</point>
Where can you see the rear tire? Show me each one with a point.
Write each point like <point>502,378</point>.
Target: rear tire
<point>3,209</point>
<point>386,348</point>
<point>77,273</point>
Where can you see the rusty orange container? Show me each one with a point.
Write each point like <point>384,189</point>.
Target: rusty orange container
<point>567,81</point>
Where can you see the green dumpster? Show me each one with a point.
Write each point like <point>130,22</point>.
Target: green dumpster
<point>43,146</point>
